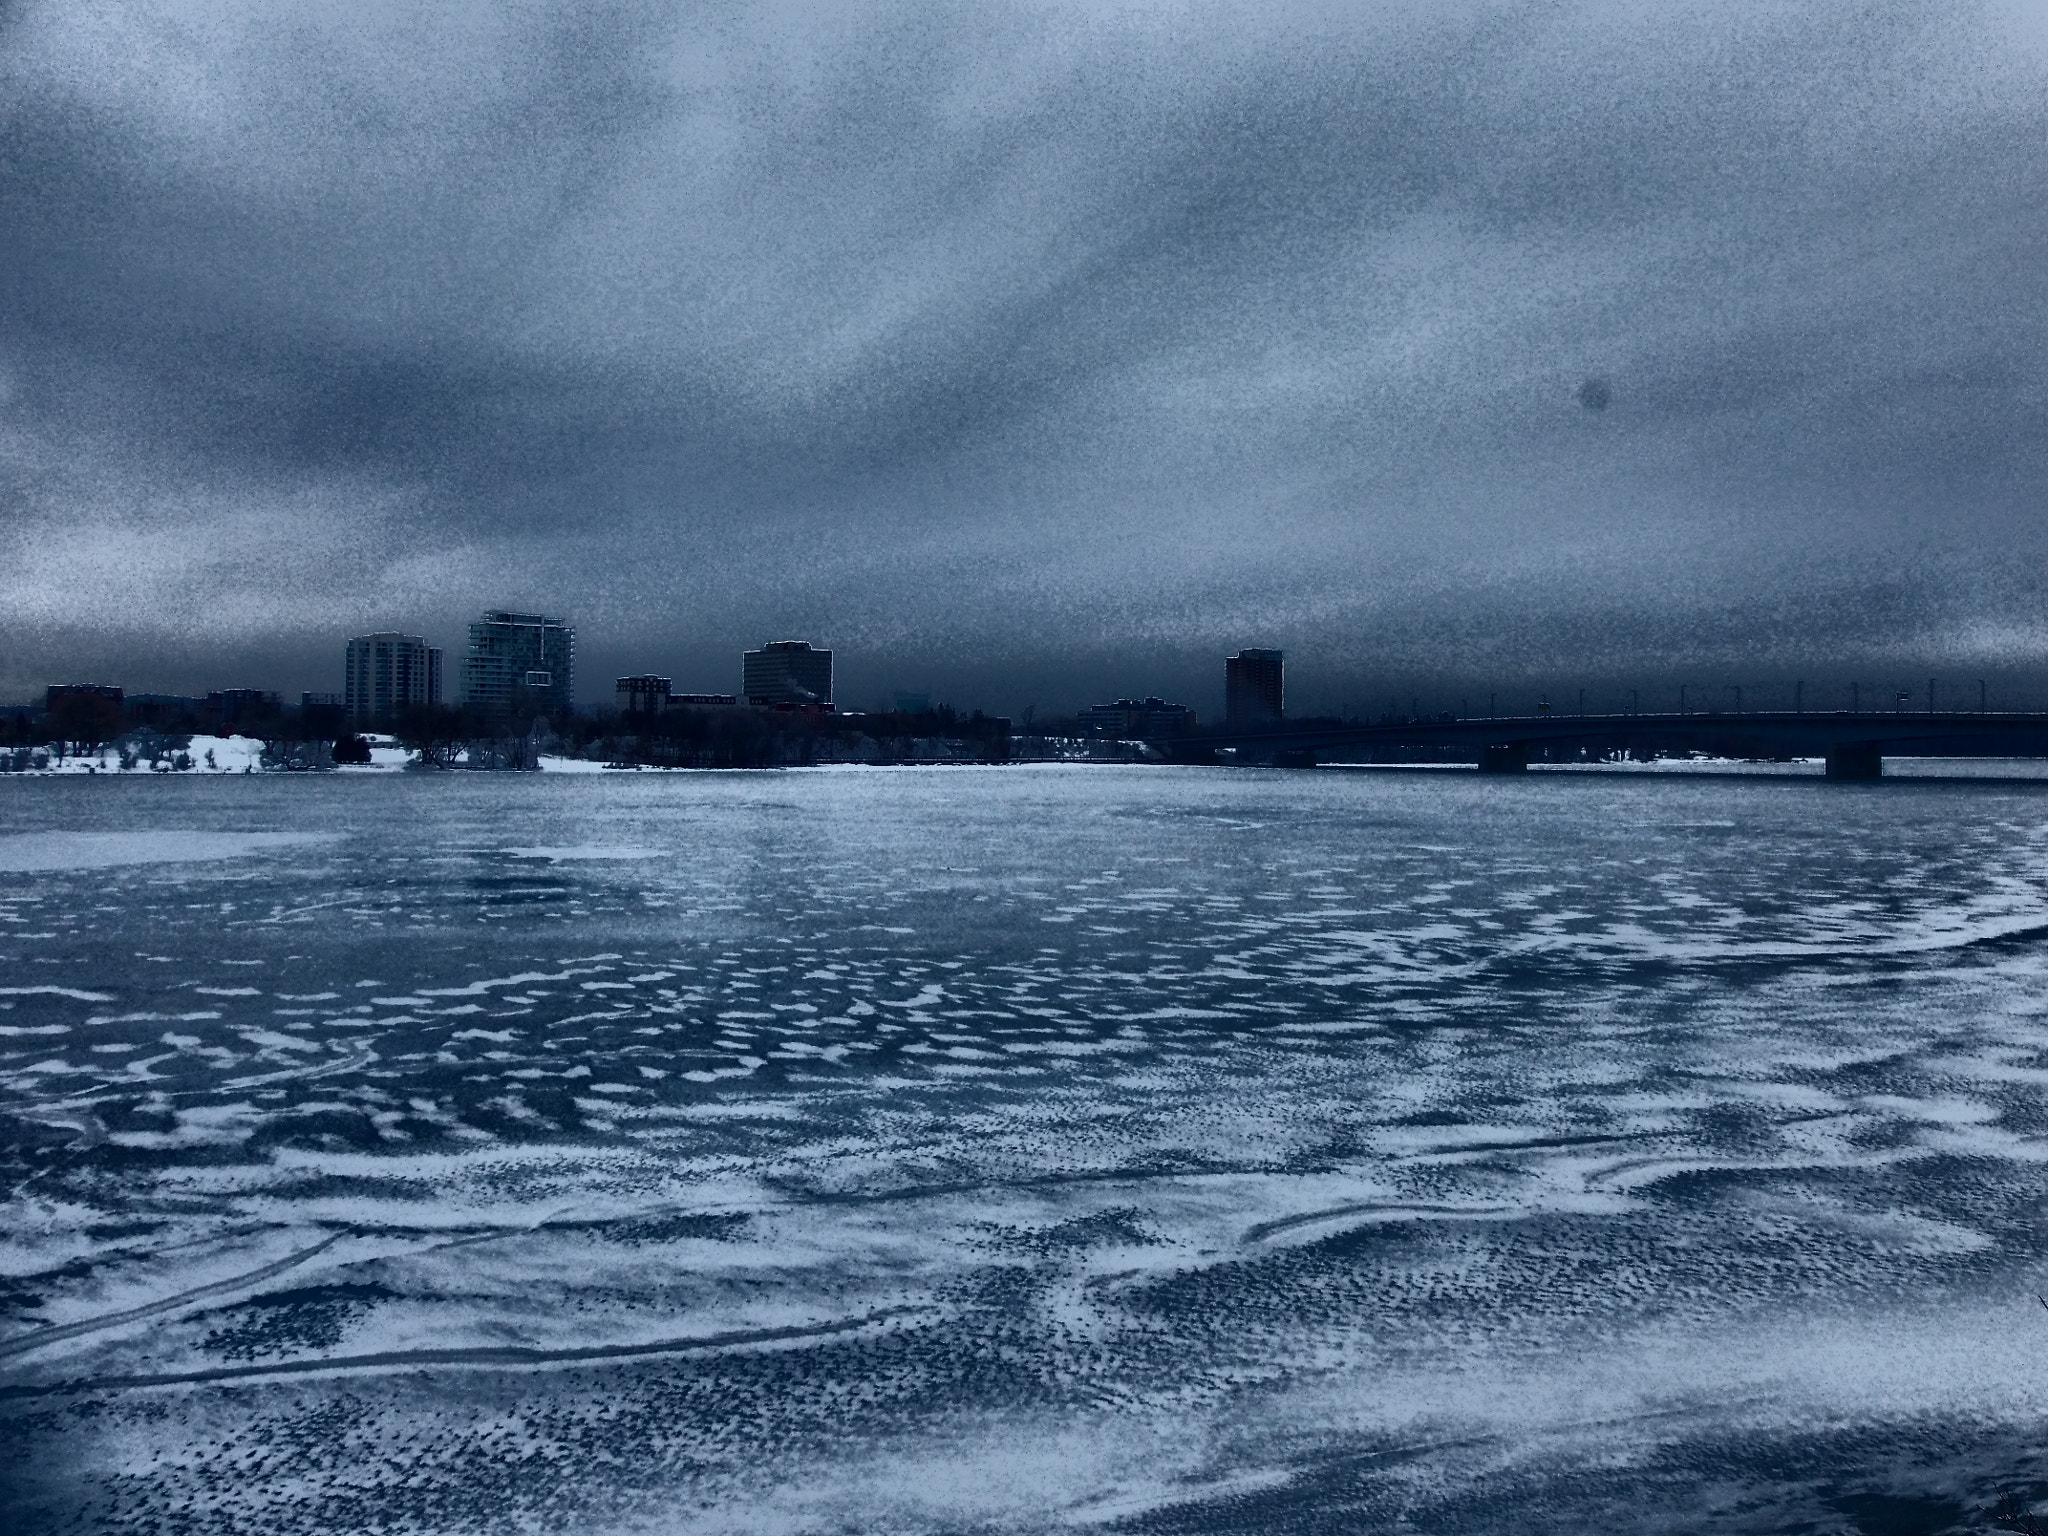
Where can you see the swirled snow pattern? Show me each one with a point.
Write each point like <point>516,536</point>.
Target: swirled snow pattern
<point>1073,1148</point>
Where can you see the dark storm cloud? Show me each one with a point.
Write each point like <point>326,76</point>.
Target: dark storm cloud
<point>1030,350</point>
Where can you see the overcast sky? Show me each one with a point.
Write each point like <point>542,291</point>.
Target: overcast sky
<point>1030,353</point>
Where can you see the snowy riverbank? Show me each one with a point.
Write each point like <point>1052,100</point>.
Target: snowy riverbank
<point>197,754</point>
<point>221,755</point>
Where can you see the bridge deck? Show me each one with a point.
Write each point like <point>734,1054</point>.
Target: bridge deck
<point>1840,736</point>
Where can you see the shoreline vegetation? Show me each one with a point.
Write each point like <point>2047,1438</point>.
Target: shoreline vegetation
<point>456,738</point>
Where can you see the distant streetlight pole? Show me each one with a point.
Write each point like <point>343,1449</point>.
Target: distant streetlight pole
<point>1681,699</point>
<point>1982,707</point>
<point>1582,701</point>
<point>1930,695</point>
<point>1799,697</point>
<point>1855,698</point>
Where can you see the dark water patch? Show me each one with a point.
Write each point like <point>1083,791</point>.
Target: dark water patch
<point>723,1226</point>
<point>400,1185</point>
<point>323,1127</point>
<point>22,1299</point>
<point>1120,1226</point>
<point>1430,1117</point>
<point>279,1322</point>
<point>31,1140</point>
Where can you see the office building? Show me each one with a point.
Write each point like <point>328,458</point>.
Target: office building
<point>61,695</point>
<point>642,695</point>
<point>232,708</point>
<point>786,672</point>
<point>165,711</point>
<point>1251,688</point>
<point>83,713</point>
<point>1143,719</point>
<point>388,674</point>
<point>320,701</point>
<point>520,665</point>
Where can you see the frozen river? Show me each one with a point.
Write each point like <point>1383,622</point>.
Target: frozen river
<point>1033,1149</point>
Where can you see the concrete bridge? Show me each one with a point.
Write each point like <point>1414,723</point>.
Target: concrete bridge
<point>1854,743</point>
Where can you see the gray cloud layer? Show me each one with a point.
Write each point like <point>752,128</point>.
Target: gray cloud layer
<point>1026,352</point>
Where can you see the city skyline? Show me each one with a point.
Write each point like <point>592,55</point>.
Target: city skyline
<point>1249,687</point>
<point>1031,359</point>
<point>1251,690</point>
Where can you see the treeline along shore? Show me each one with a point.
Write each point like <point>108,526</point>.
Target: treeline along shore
<point>88,734</point>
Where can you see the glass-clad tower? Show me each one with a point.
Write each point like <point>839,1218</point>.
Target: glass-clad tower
<point>520,665</point>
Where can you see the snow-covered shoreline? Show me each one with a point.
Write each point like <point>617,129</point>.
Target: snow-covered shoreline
<point>197,755</point>
<point>217,755</point>
<point>214,755</point>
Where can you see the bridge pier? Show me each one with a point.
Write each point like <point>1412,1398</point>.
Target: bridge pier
<point>1856,760</point>
<point>1509,757</point>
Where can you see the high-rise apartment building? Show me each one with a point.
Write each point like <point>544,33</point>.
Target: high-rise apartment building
<point>387,674</point>
<point>786,672</point>
<point>1251,687</point>
<point>520,664</point>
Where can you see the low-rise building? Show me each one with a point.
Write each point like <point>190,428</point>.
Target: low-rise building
<point>165,711</point>
<point>1144,718</point>
<point>643,694</point>
<point>651,695</point>
<point>83,712</point>
<point>59,695</point>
